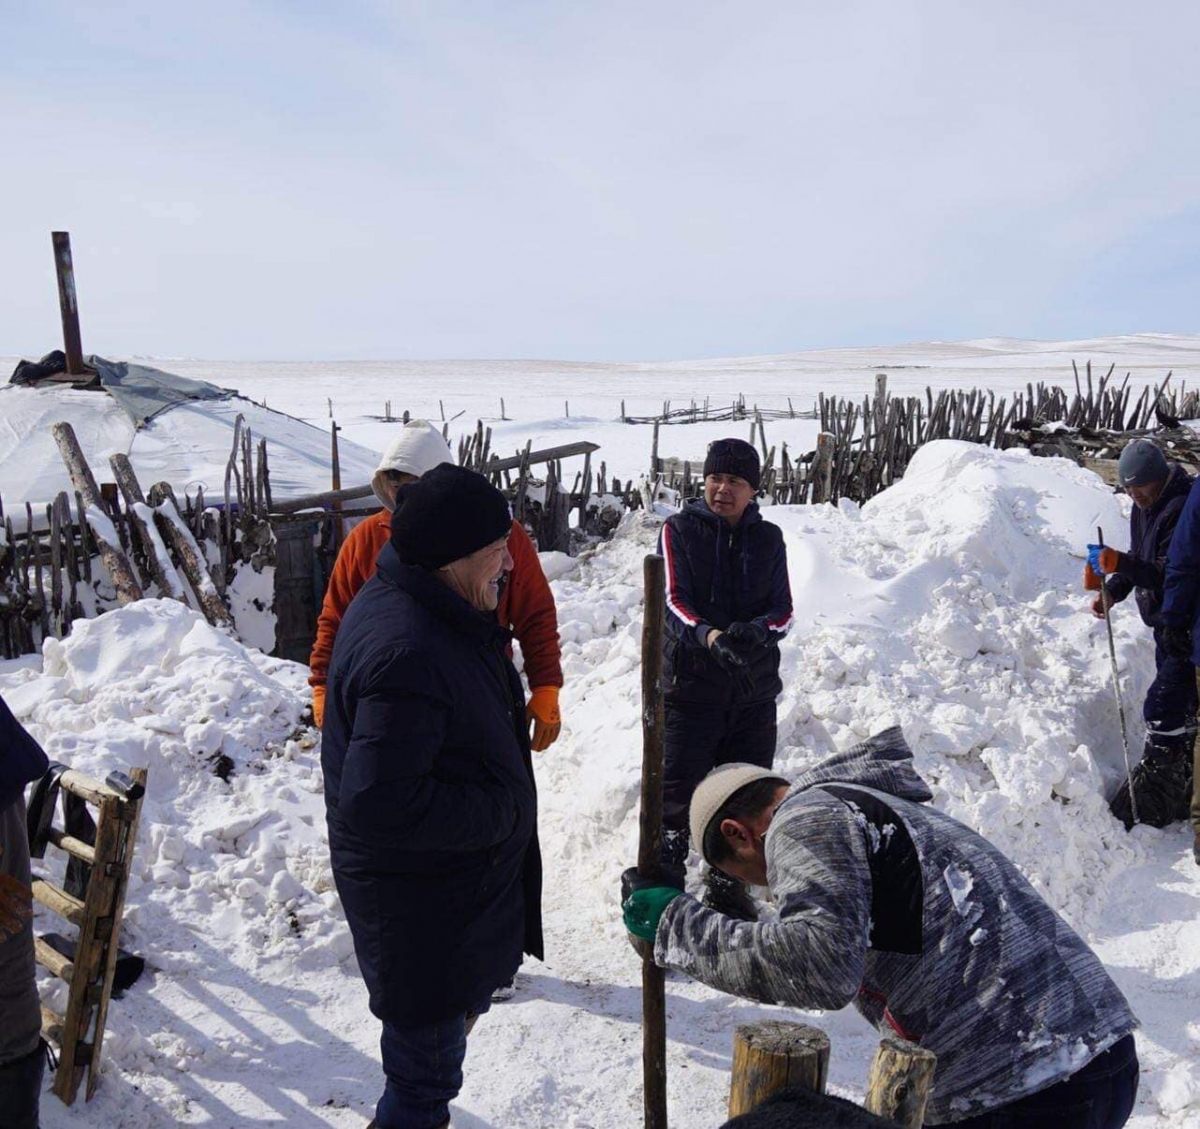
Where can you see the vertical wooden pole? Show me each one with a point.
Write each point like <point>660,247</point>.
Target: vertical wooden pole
<point>654,455</point>
<point>336,484</point>
<point>822,473</point>
<point>900,1081</point>
<point>770,1056</point>
<point>68,303</point>
<point>654,1010</point>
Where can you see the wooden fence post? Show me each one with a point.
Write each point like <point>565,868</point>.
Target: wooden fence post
<point>900,1080</point>
<point>654,1006</point>
<point>98,520</point>
<point>767,1057</point>
<point>158,559</point>
<point>822,471</point>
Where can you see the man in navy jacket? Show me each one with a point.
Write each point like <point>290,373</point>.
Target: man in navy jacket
<point>429,788</point>
<point>728,605</point>
<point>1158,489</point>
<point>1181,609</point>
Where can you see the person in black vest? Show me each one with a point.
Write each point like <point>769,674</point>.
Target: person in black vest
<point>429,788</point>
<point>1162,782</point>
<point>728,605</point>
<point>22,1061</point>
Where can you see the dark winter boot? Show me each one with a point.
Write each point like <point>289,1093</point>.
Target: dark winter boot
<point>1161,785</point>
<point>728,896</point>
<point>674,856</point>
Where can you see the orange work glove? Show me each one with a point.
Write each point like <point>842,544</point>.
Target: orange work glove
<point>1092,581</point>
<point>1110,561</point>
<point>319,705</point>
<point>542,713</point>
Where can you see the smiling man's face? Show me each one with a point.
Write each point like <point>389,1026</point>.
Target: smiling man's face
<point>476,578</point>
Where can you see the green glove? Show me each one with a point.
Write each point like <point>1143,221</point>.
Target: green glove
<point>643,908</point>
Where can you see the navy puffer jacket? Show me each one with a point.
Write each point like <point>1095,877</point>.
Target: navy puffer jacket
<point>719,574</point>
<point>429,796</point>
<point>1150,532</point>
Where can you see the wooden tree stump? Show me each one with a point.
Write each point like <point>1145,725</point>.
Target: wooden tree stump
<point>900,1080</point>
<point>767,1057</point>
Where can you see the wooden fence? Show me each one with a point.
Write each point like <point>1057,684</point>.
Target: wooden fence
<point>101,546</point>
<point>864,446</point>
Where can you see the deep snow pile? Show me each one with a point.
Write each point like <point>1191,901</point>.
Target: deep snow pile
<point>949,604</point>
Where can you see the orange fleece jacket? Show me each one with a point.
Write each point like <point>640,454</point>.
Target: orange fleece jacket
<point>526,602</point>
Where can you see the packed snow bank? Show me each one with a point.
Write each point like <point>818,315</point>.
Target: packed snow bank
<point>950,604</point>
<point>231,893</point>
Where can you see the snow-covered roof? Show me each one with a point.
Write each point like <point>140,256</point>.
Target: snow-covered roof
<point>172,428</point>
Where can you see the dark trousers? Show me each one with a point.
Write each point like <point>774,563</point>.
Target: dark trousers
<point>697,738</point>
<point>21,1090</point>
<point>1099,1096</point>
<point>424,1071</point>
<point>1170,706</point>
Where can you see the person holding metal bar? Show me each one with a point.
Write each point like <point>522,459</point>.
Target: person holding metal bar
<point>1162,781</point>
<point>729,603</point>
<point>886,903</point>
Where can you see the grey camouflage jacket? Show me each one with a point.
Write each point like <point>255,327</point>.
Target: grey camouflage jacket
<point>887,903</point>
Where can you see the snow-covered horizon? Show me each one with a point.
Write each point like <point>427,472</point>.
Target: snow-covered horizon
<point>549,402</point>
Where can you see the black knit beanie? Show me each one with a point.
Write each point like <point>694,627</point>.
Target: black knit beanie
<point>448,513</point>
<point>733,456</point>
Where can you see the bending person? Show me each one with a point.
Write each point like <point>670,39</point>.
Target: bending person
<point>889,904</point>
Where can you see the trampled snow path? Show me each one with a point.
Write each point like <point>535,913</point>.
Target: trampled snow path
<point>950,604</point>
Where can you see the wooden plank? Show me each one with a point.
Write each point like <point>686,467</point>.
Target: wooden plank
<point>52,959</point>
<point>62,903</point>
<point>73,846</point>
<point>68,302</point>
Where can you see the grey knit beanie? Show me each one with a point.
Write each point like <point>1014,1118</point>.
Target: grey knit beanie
<point>1142,463</point>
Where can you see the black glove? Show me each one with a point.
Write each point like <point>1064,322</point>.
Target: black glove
<point>732,659</point>
<point>1177,641</point>
<point>748,636</point>
<point>727,653</point>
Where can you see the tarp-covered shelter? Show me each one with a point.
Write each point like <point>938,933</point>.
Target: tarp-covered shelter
<point>173,429</point>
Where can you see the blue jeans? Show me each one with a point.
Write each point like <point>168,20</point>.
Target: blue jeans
<point>424,1071</point>
<point>1099,1095</point>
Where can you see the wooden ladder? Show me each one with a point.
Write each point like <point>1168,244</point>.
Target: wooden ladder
<point>98,918</point>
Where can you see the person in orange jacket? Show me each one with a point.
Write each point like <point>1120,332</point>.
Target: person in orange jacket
<point>526,602</point>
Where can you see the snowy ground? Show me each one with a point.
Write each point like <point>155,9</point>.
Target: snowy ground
<point>949,604</point>
<point>537,394</point>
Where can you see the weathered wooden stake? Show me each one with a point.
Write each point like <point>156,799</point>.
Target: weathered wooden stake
<point>189,554</point>
<point>900,1080</point>
<point>101,526</point>
<point>161,568</point>
<point>822,475</point>
<point>654,1007</point>
<point>335,482</point>
<point>767,1057</point>
<point>68,302</point>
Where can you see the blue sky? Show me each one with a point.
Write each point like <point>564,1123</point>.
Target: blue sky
<point>597,181</point>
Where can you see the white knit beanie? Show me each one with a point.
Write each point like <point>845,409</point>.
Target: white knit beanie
<point>419,447</point>
<point>715,789</point>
